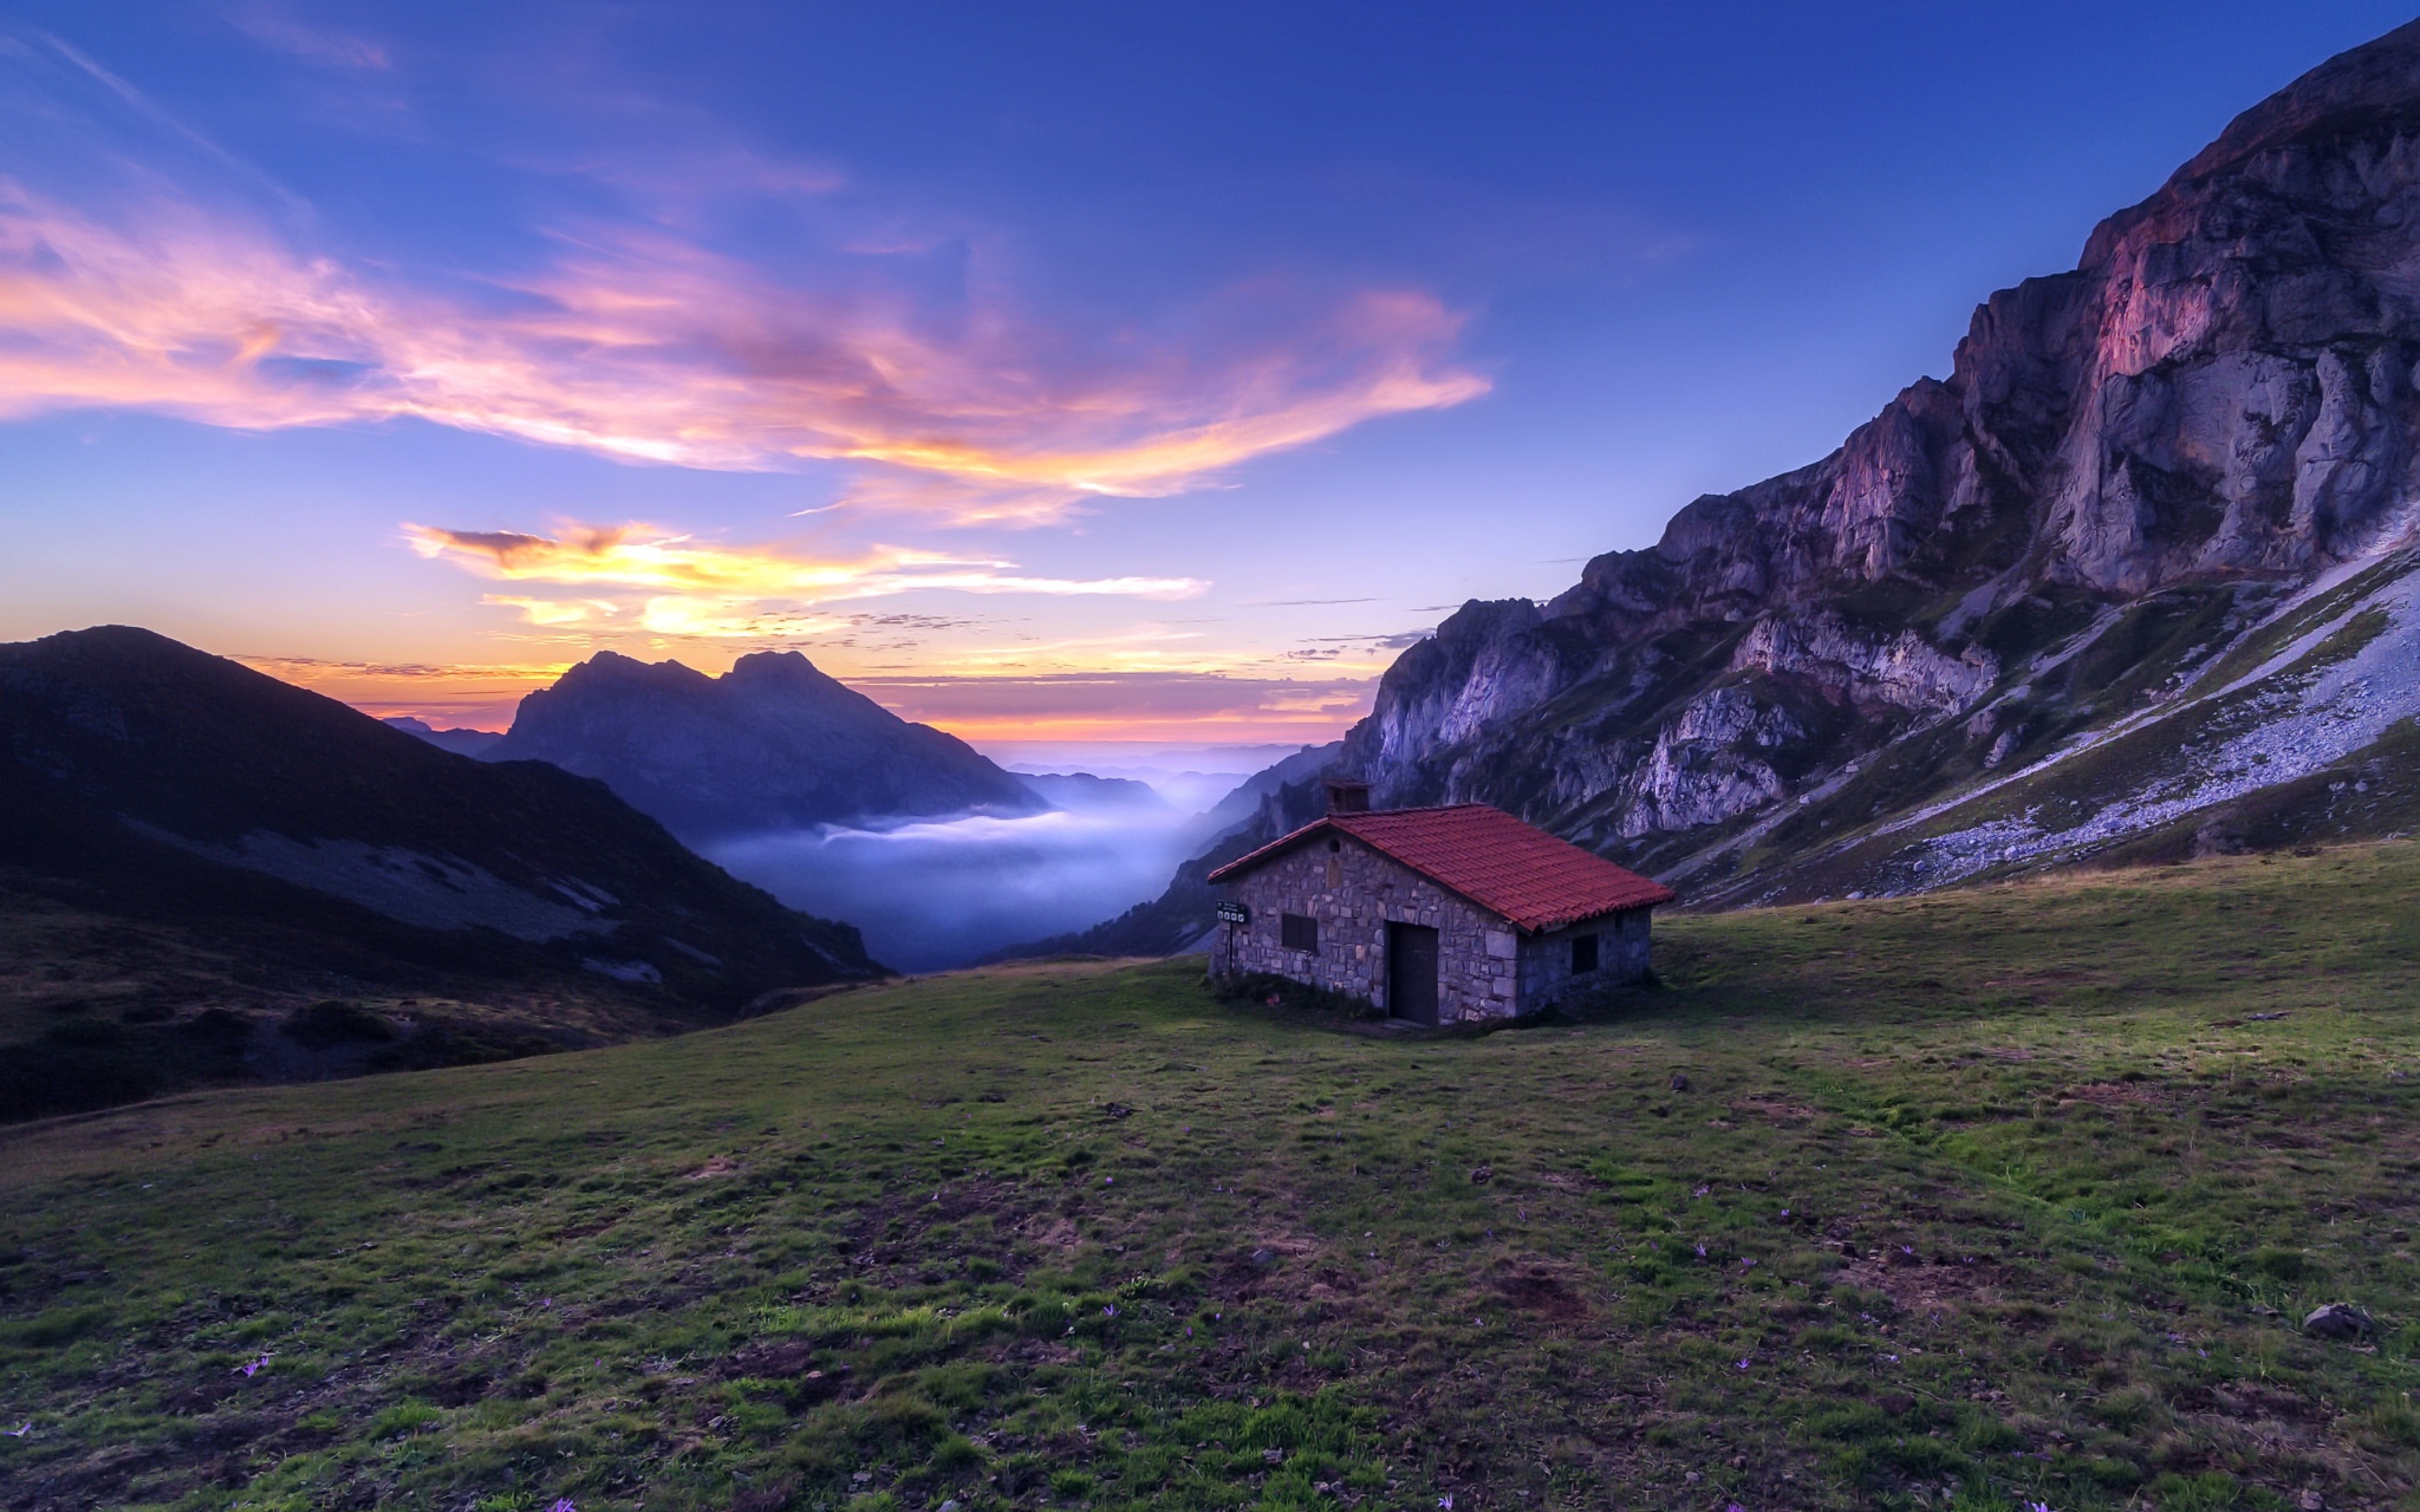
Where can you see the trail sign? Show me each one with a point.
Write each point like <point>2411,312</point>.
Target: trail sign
<point>1234,913</point>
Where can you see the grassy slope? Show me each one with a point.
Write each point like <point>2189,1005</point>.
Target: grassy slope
<point>98,1008</point>
<point>2003,1190</point>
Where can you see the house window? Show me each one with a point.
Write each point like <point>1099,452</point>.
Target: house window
<point>1298,931</point>
<point>1583,954</point>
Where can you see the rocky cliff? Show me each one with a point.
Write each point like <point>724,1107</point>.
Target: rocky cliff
<point>2144,481</point>
<point>772,744</point>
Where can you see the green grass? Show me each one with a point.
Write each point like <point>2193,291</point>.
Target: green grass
<point>1969,1200</point>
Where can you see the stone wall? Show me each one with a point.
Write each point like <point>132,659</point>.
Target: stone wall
<point>1621,955</point>
<point>1354,891</point>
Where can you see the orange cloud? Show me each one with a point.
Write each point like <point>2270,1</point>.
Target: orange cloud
<point>481,695</point>
<point>647,348</point>
<point>1130,705</point>
<point>701,589</point>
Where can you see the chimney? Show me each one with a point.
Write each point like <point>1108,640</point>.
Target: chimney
<point>1348,794</point>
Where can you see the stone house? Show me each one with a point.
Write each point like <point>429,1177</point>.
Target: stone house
<point>1438,916</point>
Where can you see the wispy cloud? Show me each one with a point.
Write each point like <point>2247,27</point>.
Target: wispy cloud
<point>272,27</point>
<point>704,587</point>
<point>1159,705</point>
<point>311,671</point>
<point>638,339</point>
<point>556,610</point>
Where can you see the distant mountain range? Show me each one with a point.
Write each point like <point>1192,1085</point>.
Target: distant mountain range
<point>181,835</point>
<point>460,742</point>
<point>1083,793</point>
<point>772,744</point>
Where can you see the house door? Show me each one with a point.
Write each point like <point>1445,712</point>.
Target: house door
<point>1412,973</point>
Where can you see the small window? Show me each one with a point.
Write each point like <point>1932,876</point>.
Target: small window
<point>1298,931</point>
<point>1583,954</point>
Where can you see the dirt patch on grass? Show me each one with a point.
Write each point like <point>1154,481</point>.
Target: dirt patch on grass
<point>771,1361</point>
<point>1548,1291</point>
<point>1056,1232</point>
<point>1774,1108</point>
<point>1270,1262</point>
<point>1931,1284</point>
<point>2114,1094</point>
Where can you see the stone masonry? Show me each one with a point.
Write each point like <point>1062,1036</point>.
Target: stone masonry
<point>1486,968</point>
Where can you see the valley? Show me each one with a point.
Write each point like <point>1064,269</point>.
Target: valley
<point>1994,1196</point>
<point>613,911</point>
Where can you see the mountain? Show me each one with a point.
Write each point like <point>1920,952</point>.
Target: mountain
<point>772,744</point>
<point>191,853</point>
<point>1249,799</point>
<point>1083,793</point>
<point>2139,578</point>
<point>460,742</point>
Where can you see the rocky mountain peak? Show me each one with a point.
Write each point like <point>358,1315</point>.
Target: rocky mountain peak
<point>611,668</point>
<point>779,669</point>
<point>2216,407</point>
<point>772,744</point>
<point>2373,86</point>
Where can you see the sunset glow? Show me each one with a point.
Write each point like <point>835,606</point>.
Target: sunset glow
<point>422,350</point>
<point>655,350</point>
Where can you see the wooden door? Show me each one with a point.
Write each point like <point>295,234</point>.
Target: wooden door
<point>1412,973</point>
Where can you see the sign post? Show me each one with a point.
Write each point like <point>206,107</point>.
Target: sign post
<point>1235,915</point>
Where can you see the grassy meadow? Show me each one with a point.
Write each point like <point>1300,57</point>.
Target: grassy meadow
<point>1977,1201</point>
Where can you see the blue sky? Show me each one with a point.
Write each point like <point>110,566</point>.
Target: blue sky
<point>1053,371</point>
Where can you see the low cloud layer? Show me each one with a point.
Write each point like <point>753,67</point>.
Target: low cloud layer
<point>931,896</point>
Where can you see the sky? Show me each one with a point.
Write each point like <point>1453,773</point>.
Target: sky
<point>1054,373</point>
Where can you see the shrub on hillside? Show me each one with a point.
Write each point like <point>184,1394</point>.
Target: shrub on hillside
<point>323,1025</point>
<point>1269,990</point>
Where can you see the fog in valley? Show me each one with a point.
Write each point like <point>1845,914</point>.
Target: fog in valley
<point>935,894</point>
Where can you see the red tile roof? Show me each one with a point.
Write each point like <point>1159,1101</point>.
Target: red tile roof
<point>1496,862</point>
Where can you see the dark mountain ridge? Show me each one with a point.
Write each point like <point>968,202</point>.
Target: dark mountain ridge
<point>213,839</point>
<point>2030,612</point>
<point>772,744</point>
<point>460,742</point>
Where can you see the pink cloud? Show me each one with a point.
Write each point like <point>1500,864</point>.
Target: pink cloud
<point>645,346</point>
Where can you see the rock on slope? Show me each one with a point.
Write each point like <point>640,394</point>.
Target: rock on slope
<point>772,744</point>
<point>276,842</point>
<point>2136,569</point>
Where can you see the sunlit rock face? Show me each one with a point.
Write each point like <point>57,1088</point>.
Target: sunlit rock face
<point>772,744</point>
<point>2219,400</point>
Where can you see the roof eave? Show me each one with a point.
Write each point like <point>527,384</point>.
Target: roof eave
<point>1565,921</point>
<point>1268,852</point>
